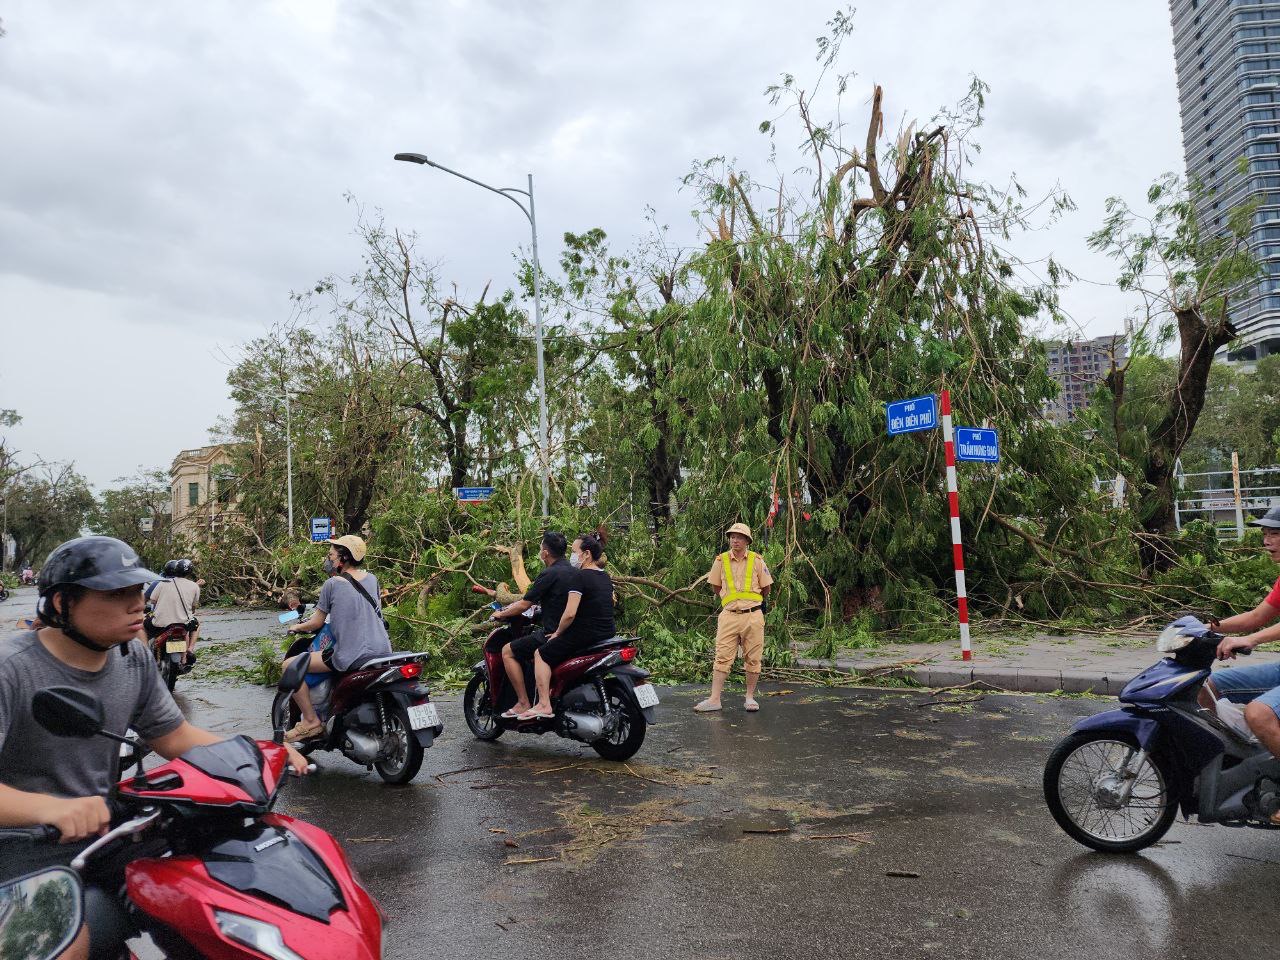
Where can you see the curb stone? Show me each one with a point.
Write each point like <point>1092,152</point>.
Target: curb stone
<point>1012,679</point>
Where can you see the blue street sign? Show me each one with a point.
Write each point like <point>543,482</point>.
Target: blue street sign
<point>472,494</point>
<point>321,529</point>
<point>907,416</point>
<point>975,444</point>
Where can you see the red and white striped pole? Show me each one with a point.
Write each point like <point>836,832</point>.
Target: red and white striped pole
<point>957,548</point>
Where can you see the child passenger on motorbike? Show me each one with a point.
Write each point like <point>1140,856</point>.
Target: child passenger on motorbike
<point>1257,686</point>
<point>351,602</point>
<point>90,610</point>
<point>587,619</point>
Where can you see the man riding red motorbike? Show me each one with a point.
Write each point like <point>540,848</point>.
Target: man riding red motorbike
<point>90,610</point>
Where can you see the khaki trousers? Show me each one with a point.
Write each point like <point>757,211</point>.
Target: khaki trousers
<point>734,628</point>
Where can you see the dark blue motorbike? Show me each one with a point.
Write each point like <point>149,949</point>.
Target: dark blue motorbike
<point>1117,781</point>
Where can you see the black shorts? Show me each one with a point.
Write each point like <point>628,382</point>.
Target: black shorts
<point>557,651</point>
<point>522,648</point>
<point>326,655</point>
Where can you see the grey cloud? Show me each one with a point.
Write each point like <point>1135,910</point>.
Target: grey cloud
<point>170,172</point>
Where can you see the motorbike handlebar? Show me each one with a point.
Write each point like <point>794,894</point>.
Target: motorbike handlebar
<point>45,832</point>
<point>48,833</point>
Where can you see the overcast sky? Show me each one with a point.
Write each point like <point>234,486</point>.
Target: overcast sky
<point>170,172</point>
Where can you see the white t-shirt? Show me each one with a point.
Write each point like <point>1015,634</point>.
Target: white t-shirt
<point>175,601</point>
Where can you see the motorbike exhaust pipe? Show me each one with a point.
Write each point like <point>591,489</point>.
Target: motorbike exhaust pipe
<point>360,747</point>
<point>586,727</point>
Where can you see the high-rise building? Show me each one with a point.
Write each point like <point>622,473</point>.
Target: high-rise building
<point>1079,366</point>
<point>1228,61</point>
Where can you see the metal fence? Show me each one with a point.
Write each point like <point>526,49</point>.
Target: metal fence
<point>1225,498</point>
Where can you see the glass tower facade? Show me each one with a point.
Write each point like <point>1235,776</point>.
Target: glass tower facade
<point>1228,62</point>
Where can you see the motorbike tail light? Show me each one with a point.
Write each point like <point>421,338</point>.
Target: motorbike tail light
<point>410,670</point>
<point>628,654</point>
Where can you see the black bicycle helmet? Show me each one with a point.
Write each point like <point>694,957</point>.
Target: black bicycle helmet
<point>167,570</point>
<point>182,568</point>
<point>90,563</point>
<point>1270,519</point>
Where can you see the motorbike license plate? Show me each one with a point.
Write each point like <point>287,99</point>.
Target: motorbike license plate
<point>647,695</point>
<point>423,716</point>
<point>175,646</point>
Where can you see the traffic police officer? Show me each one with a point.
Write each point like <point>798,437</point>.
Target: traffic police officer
<point>741,580</point>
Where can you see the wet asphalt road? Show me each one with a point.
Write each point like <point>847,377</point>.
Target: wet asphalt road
<point>653,861</point>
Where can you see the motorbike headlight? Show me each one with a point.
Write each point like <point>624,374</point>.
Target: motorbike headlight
<point>263,937</point>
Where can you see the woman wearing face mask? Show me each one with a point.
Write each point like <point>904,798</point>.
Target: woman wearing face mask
<point>353,606</point>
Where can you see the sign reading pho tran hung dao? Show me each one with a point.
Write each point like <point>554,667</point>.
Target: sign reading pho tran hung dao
<point>979,445</point>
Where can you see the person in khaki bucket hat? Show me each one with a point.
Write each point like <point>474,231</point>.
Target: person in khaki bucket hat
<point>741,580</point>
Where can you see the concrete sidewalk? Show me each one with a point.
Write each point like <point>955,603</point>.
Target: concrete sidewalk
<point>1079,663</point>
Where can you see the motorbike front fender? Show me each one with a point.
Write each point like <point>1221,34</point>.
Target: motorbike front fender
<point>1140,727</point>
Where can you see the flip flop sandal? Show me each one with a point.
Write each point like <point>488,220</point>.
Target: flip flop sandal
<point>530,715</point>
<point>705,707</point>
<point>512,714</point>
<point>750,706</point>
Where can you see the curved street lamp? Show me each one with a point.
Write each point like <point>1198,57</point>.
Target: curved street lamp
<point>508,192</point>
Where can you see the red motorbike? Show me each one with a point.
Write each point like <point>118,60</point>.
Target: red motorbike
<point>379,715</point>
<point>600,697</point>
<point>202,864</point>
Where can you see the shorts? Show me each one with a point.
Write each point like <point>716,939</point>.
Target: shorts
<point>1260,682</point>
<point>734,629</point>
<point>557,651</point>
<point>326,657</point>
<point>522,648</point>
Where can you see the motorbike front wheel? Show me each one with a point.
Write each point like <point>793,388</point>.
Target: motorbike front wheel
<point>478,709</point>
<point>405,753</point>
<point>1099,801</point>
<point>627,737</point>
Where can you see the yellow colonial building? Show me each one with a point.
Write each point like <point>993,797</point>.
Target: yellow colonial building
<point>202,484</point>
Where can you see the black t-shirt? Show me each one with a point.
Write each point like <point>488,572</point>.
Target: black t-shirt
<point>551,590</point>
<point>594,621</point>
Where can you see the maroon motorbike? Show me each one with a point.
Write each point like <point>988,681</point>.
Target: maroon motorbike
<point>169,647</point>
<point>379,715</point>
<point>599,696</point>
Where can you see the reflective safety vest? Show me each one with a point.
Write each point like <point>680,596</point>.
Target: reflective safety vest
<point>734,593</point>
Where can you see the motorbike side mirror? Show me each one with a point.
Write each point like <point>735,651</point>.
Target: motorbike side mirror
<point>68,712</point>
<point>40,914</point>
<point>291,676</point>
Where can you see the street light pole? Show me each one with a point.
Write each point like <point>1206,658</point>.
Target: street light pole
<point>288,454</point>
<point>288,448</point>
<point>543,441</point>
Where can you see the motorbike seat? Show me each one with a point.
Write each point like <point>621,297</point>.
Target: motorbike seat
<point>389,660</point>
<point>610,644</point>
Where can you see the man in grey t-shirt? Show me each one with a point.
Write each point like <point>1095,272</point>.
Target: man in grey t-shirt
<point>91,609</point>
<point>354,611</point>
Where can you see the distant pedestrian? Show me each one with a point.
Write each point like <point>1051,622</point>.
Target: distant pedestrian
<point>741,580</point>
